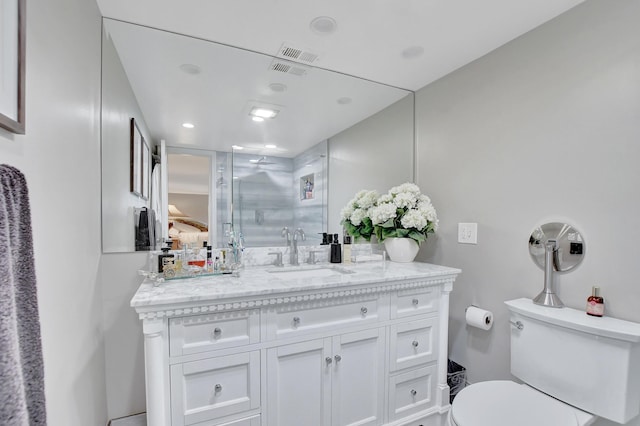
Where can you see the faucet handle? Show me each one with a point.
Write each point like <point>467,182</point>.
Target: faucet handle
<point>278,261</point>
<point>312,257</point>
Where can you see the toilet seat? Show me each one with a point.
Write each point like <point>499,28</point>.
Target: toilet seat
<point>506,403</point>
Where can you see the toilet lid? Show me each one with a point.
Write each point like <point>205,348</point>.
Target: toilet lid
<point>506,403</point>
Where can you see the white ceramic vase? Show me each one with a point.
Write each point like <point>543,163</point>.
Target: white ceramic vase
<point>401,250</point>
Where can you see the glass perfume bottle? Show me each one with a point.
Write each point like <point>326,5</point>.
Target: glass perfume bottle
<point>595,303</point>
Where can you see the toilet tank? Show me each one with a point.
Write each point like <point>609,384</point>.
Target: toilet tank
<point>589,362</point>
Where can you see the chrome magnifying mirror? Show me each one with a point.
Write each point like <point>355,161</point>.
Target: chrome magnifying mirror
<point>570,248</point>
<point>555,247</point>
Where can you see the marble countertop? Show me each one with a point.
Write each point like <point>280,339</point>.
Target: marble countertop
<point>263,281</point>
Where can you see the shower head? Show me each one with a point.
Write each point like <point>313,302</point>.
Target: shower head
<point>262,161</point>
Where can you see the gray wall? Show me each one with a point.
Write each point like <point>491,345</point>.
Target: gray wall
<point>376,153</point>
<point>119,105</point>
<point>60,157</point>
<point>545,128</point>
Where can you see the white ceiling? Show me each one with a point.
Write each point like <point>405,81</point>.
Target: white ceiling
<point>370,35</point>
<point>368,42</point>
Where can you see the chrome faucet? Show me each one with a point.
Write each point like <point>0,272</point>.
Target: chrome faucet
<point>294,249</point>
<point>286,234</point>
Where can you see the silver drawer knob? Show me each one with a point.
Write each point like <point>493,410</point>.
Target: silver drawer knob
<point>415,301</point>
<point>337,358</point>
<point>415,343</point>
<point>413,392</point>
<point>217,332</point>
<point>296,320</point>
<point>328,360</point>
<point>364,310</point>
<point>217,388</point>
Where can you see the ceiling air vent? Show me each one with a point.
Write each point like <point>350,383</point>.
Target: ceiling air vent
<point>287,67</point>
<point>297,54</point>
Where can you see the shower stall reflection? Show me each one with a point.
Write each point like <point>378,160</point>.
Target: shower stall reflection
<point>267,196</point>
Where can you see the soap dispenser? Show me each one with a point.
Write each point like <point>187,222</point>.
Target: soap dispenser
<point>336,250</point>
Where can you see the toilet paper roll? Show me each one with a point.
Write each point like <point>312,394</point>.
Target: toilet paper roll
<point>479,318</point>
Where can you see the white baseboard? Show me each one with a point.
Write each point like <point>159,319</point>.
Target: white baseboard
<point>135,420</point>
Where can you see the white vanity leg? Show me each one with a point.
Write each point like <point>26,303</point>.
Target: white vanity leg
<point>443,346</point>
<point>155,381</point>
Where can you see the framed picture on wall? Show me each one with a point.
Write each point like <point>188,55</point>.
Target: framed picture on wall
<point>137,142</point>
<point>12,65</point>
<point>146,166</point>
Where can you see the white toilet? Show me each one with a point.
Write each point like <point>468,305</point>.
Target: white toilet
<point>576,368</point>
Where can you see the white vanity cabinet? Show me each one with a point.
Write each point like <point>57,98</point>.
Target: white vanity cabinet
<point>329,381</point>
<point>367,348</point>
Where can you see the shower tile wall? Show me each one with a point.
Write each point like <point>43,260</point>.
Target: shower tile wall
<point>262,198</point>
<point>266,196</point>
<point>311,214</point>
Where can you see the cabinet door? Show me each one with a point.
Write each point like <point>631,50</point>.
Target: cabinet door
<point>358,378</point>
<point>299,384</point>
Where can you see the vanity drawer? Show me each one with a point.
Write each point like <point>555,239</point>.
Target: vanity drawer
<point>413,343</point>
<point>248,421</point>
<point>288,321</point>
<point>412,392</point>
<point>216,387</point>
<point>414,302</point>
<point>202,333</point>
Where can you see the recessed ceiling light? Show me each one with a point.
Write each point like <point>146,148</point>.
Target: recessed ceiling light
<point>323,25</point>
<point>188,125</point>
<point>270,146</point>
<point>278,87</point>
<point>258,119</point>
<point>412,52</point>
<point>190,69</point>
<point>238,147</point>
<point>263,112</point>
<point>344,101</point>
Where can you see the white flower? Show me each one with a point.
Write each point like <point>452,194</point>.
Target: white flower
<point>382,212</point>
<point>428,211</point>
<point>404,199</point>
<point>357,216</point>
<point>386,198</point>
<point>413,219</point>
<point>405,187</point>
<point>347,211</point>
<point>366,199</point>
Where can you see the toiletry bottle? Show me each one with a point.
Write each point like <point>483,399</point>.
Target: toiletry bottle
<point>161,257</point>
<point>209,260</point>
<point>216,265</point>
<point>197,258</point>
<point>346,250</point>
<point>179,262</point>
<point>325,239</point>
<point>336,250</point>
<point>595,303</point>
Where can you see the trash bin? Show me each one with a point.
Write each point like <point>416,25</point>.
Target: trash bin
<point>456,378</point>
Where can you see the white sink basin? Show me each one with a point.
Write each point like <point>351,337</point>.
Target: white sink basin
<point>322,271</point>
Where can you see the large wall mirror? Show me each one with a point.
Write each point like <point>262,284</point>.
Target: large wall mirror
<point>236,138</point>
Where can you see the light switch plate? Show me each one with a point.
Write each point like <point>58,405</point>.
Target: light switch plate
<point>468,233</point>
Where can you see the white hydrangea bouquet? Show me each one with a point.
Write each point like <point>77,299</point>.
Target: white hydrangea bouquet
<point>355,215</point>
<point>403,212</point>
